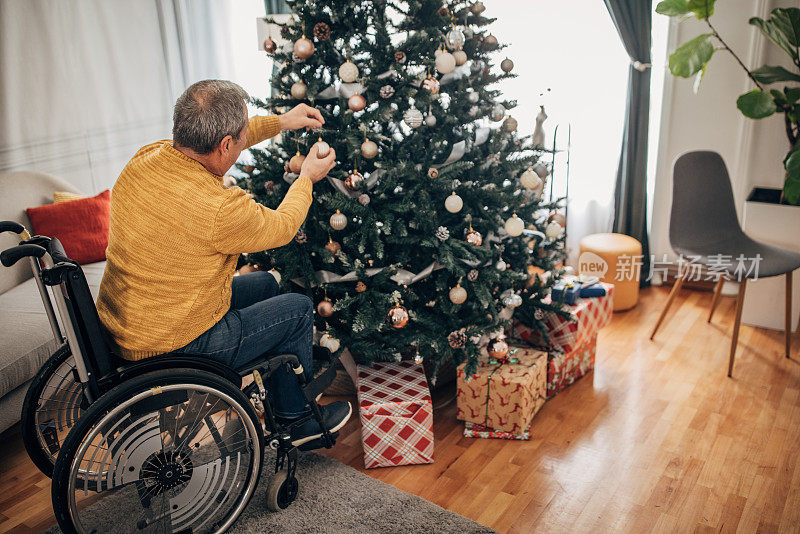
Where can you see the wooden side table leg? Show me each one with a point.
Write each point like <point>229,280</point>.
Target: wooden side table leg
<point>788,325</point>
<point>737,321</point>
<point>675,288</point>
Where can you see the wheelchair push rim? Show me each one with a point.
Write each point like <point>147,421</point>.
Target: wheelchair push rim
<point>180,456</point>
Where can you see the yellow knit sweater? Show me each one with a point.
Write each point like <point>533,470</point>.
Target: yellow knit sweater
<point>174,239</point>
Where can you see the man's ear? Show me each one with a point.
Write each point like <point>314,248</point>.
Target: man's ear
<point>226,145</point>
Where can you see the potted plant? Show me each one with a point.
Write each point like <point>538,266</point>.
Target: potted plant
<point>769,214</point>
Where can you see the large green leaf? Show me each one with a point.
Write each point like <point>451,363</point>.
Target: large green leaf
<point>791,187</point>
<point>769,74</point>
<point>691,57</point>
<point>792,94</point>
<point>787,21</point>
<point>673,8</point>
<point>702,9</point>
<point>756,104</point>
<point>772,33</point>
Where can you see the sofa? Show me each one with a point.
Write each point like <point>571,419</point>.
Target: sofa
<point>26,340</point>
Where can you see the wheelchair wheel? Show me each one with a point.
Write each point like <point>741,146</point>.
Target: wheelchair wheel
<point>52,406</point>
<point>282,491</point>
<point>176,450</point>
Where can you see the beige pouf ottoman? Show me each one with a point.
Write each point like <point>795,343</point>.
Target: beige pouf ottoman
<point>616,259</point>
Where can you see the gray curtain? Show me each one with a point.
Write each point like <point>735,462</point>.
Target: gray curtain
<point>275,7</point>
<point>633,20</point>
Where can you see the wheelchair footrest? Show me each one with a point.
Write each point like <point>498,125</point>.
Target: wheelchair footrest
<point>319,384</point>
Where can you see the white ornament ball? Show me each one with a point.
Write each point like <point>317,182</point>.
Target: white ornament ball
<point>299,90</point>
<point>438,52</point>
<point>348,72</point>
<point>498,112</point>
<point>530,180</point>
<point>363,199</point>
<point>507,65</point>
<point>303,48</point>
<point>553,230</point>
<point>460,56</point>
<point>338,220</point>
<point>510,124</point>
<point>473,97</point>
<point>323,149</point>
<point>512,301</point>
<point>458,295</point>
<point>501,265</point>
<point>453,203</point>
<point>329,342</point>
<point>477,8</point>
<point>514,226</point>
<point>413,117</point>
<point>445,62</point>
<point>454,39</point>
<point>430,120</point>
<point>369,149</point>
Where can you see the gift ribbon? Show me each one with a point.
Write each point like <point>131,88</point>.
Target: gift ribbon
<point>502,362</point>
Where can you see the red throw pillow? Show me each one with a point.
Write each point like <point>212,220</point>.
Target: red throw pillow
<point>81,225</point>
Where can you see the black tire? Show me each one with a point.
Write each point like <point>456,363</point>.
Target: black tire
<point>281,491</point>
<point>133,401</point>
<point>42,447</point>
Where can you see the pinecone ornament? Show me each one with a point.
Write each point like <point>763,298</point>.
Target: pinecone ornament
<point>433,173</point>
<point>301,237</point>
<point>400,56</point>
<point>269,185</point>
<point>472,275</point>
<point>387,91</point>
<point>442,233</point>
<point>443,12</point>
<point>538,314</point>
<point>457,339</point>
<point>322,31</point>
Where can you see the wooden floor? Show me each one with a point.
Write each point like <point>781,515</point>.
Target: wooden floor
<point>656,439</point>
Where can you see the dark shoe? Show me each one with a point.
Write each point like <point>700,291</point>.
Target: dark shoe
<point>334,416</point>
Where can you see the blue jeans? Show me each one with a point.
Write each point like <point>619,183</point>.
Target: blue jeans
<point>261,323</point>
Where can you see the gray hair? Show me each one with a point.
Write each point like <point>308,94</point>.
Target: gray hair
<point>208,111</point>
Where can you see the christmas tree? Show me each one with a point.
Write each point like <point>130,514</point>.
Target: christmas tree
<point>420,241</point>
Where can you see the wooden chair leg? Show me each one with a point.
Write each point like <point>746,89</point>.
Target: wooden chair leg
<point>736,322</point>
<point>675,288</point>
<point>715,300</point>
<point>788,326</point>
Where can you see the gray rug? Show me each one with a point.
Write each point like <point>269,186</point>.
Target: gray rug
<point>335,498</point>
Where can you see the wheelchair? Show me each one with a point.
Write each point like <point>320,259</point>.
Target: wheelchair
<point>171,443</point>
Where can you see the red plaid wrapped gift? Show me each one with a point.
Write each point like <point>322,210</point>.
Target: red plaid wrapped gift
<point>564,369</point>
<point>474,430</point>
<point>589,314</point>
<point>396,414</point>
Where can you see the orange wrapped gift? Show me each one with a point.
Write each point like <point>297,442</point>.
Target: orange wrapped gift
<point>504,394</point>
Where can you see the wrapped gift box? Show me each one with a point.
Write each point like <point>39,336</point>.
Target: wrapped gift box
<point>588,316</point>
<point>504,396</point>
<point>474,430</point>
<point>396,414</point>
<point>565,368</point>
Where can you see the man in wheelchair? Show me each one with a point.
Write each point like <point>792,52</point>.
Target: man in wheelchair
<point>175,236</point>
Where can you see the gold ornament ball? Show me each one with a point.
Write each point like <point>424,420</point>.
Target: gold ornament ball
<point>431,84</point>
<point>530,180</point>
<point>323,149</point>
<point>510,124</point>
<point>353,181</point>
<point>397,316</point>
<point>299,90</point>
<point>348,72</point>
<point>303,48</point>
<point>474,237</point>
<point>296,163</point>
<point>458,295</point>
<point>433,173</point>
<point>477,8</point>
<point>357,102</point>
<point>333,246</point>
<point>490,41</point>
<point>460,56</point>
<point>270,46</point>
<point>498,112</point>
<point>506,65</point>
<point>541,170</point>
<point>514,226</point>
<point>445,62</point>
<point>413,117</point>
<point>453,203</point>
<point>325,308</point>
<point>553,230</point>
<point>497,348</point>
<point>249,168</point>
<point>369,149</point>
<point>559,218</point>
<point>338,221</point>
<point>247,269</point>
<point>361,287</point>
<point>400,57</point>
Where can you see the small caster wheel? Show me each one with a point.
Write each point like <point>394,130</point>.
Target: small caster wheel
<point>282,491</point>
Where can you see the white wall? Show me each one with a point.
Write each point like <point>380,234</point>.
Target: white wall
<point>709,120</point>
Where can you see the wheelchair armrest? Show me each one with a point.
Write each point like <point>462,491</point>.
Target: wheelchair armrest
<point>11,226</point>
<point>12,255</point>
